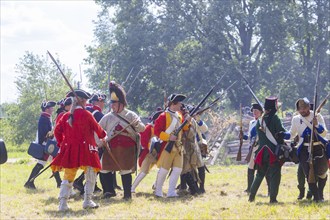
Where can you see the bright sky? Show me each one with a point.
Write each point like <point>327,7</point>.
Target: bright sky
<point>62,27</point>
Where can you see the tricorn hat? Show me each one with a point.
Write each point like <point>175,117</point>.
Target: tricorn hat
<point>302,103</point>
<point>155,115</point>
<point>117,93</point>
<point>97,97</point>
<point>271,103</point>
<point>80,93</point>
<point>176,97</point>
<point>47,104</point>
<point>256,106</point>
<point>65,102</point>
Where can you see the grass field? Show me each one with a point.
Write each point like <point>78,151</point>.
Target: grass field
<point>224,199</point>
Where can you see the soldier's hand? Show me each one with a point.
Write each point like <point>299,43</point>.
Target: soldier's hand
<point>173,137</point>
<point>104,142</point>
<point>241,135</point>
<point>50,135</point>
<point>315,122</point>
<point>280,135</point>
<point>187,117</point>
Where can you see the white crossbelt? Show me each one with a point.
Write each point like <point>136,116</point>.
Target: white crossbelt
<point>314,143</point>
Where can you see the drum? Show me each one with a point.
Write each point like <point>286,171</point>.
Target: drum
<point>51,148</point>
<point>3,152</point>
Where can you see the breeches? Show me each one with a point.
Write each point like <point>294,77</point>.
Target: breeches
<point>168,160</point>
<point>147,163</point>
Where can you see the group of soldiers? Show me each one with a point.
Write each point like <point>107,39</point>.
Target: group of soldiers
<point>309,148</point>
<point>115,142</point>
<point>174,140</point>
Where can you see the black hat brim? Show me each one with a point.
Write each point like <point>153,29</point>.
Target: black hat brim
<point>81,93</point>
<point>177,98</point>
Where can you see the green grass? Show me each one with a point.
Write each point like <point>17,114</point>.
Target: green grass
<point>224,199</point>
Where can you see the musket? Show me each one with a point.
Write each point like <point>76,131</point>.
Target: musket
<point>251,91</point>
<point>170,144</point>
<point>165,98</point>
<point>239,153</point>
<point>46,168</point>
<point>214,101</point>
<point>318,110</point>
<point>311,175</point>
<point>66,80</point>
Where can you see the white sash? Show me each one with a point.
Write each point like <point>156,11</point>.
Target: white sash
<point>173,124</point>
<point>269,135</point>
<point>308,124</point>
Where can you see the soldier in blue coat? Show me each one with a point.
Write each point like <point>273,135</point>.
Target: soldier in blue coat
<point>44,129</point>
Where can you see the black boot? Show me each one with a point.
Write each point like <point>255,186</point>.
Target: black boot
<point>78,183</point>
<point>193,188</point>
<point>183,182</point>
<point>252,197</point>
<point>107,185</point>
<point>36,169</point>
<point>321,185</point>
<point>201,175</point>
<point>315,192</point>
<point>127,185</point>
<point>250,178</point>
<point>115,185</point>
<point>309,194</point>
<point>96,188</point>
<point>57,178</point>
<point>267,177</point>
<point>301,193</point>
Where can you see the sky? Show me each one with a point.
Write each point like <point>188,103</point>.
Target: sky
<point>63,28</point>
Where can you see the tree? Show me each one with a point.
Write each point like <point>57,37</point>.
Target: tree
<point>186,45</point>
<point>38,80</point>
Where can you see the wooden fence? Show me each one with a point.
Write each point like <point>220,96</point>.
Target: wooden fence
<point>230,147</point>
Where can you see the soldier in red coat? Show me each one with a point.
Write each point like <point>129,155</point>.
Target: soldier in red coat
<point>75,136</point>
<point>65,106</point>
<point>148,156</point>
<point>165,126</point>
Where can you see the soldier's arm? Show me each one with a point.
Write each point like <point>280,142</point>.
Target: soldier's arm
<point>321,127</point>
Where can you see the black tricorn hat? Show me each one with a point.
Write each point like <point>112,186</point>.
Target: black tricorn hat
<point>65,102</point>
<point>117,93</point>
<point>47,104</point>
<point>303,102</point>
<point>176,97</point>
<point>97,97</point>
<point>155,115</point>
<point>271,103</point>
<point>256,106</point>
<point>80,93</point>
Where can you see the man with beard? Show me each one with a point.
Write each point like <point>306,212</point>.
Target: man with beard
<point>122,126</point>
<point>301,125</point>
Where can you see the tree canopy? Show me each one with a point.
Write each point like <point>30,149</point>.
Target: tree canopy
<point>184,46</point>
